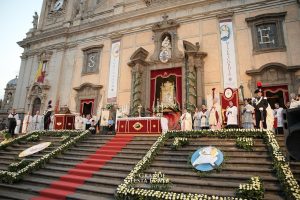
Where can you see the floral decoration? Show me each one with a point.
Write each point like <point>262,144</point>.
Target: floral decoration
<point>126,190</point>
<point>252,190</point>
<point>179,142</point>
<point>245,143</point>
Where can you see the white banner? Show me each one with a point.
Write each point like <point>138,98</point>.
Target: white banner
<point>228,54</point>
<point>113,72</point>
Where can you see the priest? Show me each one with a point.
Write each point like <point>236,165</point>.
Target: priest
<point>186,121</point>
<point>37,121</point>
<point>27,122</point>
<point>231,114</point>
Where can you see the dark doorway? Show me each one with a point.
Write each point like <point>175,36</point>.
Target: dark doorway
<point>277,94</point>
<point>36,106</point>
<point>87,108</point>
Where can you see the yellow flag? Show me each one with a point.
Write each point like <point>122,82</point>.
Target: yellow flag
<point>39,72</point>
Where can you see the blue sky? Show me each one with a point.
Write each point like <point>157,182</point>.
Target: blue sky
<point>15,22</point>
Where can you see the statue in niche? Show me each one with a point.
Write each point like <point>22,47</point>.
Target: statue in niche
<point>165,51</point>
<point>167,94</point>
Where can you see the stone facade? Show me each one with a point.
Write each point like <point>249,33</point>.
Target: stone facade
<point>64,35</point>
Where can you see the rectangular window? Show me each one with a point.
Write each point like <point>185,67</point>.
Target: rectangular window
<point>267,32</point>
<point>91,59</point>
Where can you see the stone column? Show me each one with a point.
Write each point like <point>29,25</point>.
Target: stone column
<point>199,65</point>
<point>191,83</point>
<point>136,90</point>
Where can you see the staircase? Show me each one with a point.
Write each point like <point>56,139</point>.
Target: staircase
<point>102,184</point>
<point>239,166</point>
<point>295,166</point>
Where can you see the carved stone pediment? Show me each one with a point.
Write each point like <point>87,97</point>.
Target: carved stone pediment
<point>45,55</point>
<point>87,91</point>
<point>273,74</point>
<point>139,57</point>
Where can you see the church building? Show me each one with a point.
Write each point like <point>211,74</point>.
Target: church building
<point>86,54</point>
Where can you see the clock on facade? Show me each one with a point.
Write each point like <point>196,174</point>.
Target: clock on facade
<point>58,5</point>
<point>164,56</point>
<point>228,93</point>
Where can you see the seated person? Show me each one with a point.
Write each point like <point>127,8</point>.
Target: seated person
<point>111,124</point>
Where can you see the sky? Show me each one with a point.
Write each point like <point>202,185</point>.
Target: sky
<point>15,21</point>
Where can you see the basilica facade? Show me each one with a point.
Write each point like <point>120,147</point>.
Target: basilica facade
<point>86,54</point>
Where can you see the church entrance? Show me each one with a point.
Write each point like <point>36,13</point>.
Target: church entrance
<point>87,106</point>
<point>278,94</point>
<point>36,106</point>
<point>166,94</point>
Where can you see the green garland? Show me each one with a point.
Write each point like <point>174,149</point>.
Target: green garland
<point>179,142</point>
<point>11,177</point>
<point>252,190</point>
<point>126,189</point>
<point>244,143</point>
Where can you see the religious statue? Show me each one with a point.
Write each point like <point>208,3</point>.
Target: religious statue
<point>167,91</point>
<point>35,20</point>
<point>165,53</point>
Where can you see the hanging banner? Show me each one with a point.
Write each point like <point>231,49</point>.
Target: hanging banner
<point>228,54</point>
<point>113,72</point>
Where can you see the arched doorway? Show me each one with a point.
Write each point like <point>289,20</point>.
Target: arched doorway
<point>36,106</point>
<point>87,107</point>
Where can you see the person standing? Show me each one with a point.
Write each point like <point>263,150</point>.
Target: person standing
<point>215,116</point>
<point>37,121</point>
<point>278,115</point>
<point>47,116</point>
<point>88,122</point>
<point>78,122</point>
<point>247,115</point>
<point>186,121</point>
<point>231,113</point>
<point>294,102</point>
<point>26,127</point>
<point>197,118</point>
<point>204,118</point>
<point>13,117</point>
<point>260,105</point>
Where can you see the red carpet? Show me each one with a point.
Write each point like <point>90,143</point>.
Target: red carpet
<point>67,184</point>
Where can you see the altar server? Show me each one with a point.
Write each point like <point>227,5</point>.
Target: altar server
<point>247,115</point>
<point>231,113</point>
<point>204,114</point>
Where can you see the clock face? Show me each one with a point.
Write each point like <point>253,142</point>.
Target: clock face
<point>164,56</point>
<point>58,5</point>
<point>228,93</point>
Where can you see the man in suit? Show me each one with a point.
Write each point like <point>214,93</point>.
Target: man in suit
<point>260,104</point>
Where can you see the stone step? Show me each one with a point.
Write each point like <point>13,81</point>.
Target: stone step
<point>222,175</point>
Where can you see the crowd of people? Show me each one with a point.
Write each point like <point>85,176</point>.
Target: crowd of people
<point>254,113</point>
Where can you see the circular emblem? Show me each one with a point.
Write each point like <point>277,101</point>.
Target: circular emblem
<point>225,32</point>
<point>34,149</point>
<point>115,50</point>
<point>164,56</point>
<point>207,158</point>
<point>228,93</point>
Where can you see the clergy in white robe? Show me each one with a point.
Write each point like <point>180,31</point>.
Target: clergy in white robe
<point>37,121</point>
<point>27,122</point>
<point>186,121</point>
<point>204,114</point>
<point>78,122</point>
<point>231,113</point>
<point>197,119</point>
<point>215,116</point>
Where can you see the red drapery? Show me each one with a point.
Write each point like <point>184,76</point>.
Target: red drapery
<point>225,102</point>
<point>166,73</point>
<point>275,89</point>
<point>86,101</point>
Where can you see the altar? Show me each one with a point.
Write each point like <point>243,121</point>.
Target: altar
<point>140,125</point>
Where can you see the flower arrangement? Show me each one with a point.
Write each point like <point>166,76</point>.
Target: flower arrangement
<point>14,167</point>
<point>11,177</point>
<point>159,182</point>
<point>179,142</point>
<point>245,143</point>
<point>252,190</point>
<point>33,138</point>
<point>126,189</point>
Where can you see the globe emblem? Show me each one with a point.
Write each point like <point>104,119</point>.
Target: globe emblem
<point>225,32</point>
<point>207,158</point>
